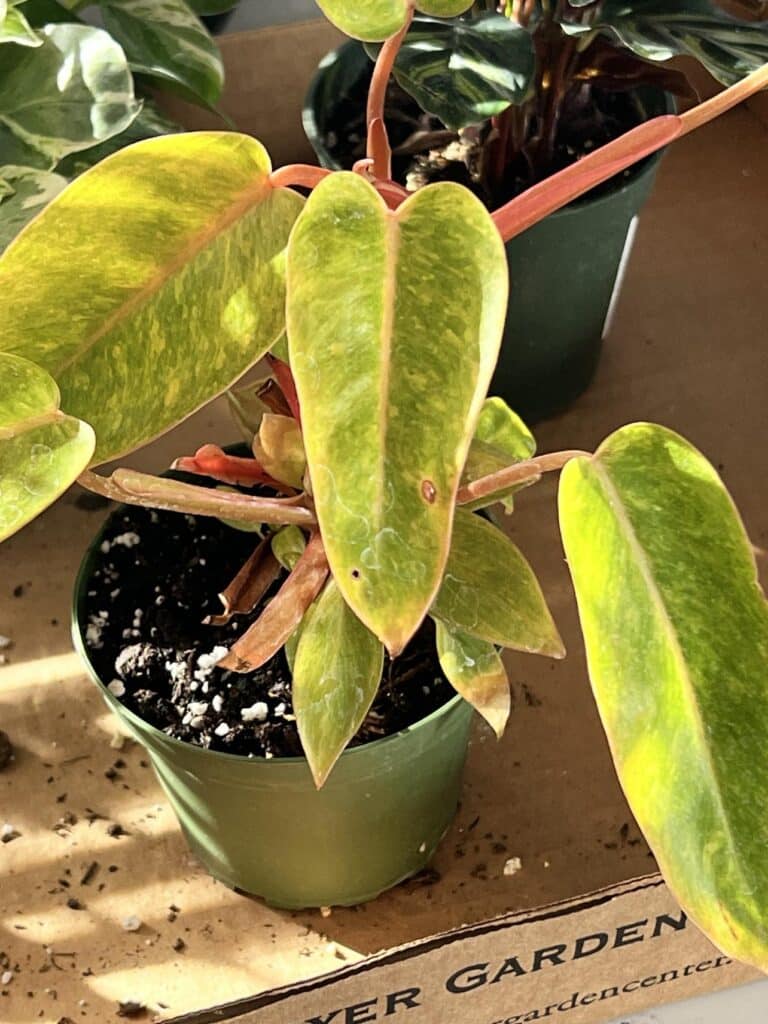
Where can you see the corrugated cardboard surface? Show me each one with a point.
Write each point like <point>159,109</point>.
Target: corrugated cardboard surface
<point>687,350</point>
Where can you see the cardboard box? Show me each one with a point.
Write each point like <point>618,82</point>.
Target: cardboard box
<point>584,931</point>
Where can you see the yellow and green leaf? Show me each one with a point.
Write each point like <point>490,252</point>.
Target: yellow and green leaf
<point>288,546</point>
<point>394,326</point>
<point>374,20</point>
<point>676,629</point>
<point>336,673</point>
<point>168,282</point>
<point>279,448</point>
<point>475,670</point>
<point>490,591</point>
<point>501,439</point>
<point>42,450</point>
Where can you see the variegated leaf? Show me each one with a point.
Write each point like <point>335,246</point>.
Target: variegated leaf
<point>336,674</point>
<point>73,91</point>
<point>374,20</point>
<point>676,630</point>
<point>30,190</point>
<point>394,326</point>
<point>490,591</point>
<point>166,40</point>
<point>279,448</point>
<point>288,545</point>
<point>475,670</point>
<point>42,450</point>
<point>168,282</point>
<point>14,27</point>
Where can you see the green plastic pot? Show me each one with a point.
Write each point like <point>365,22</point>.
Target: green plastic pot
<point>565,272</point>
<point>261,827</point>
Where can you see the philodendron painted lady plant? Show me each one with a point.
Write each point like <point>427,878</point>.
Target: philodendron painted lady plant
<point>162,274</point>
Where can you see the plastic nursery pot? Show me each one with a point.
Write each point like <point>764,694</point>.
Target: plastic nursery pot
<point>565,272</point>
<point>260,826</point>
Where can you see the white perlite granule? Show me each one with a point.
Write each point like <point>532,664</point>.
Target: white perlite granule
<point>131,923</point>
<point>512,866</point>
<point>255,713</point>
<point>222,729</point>
<point>116,688</point>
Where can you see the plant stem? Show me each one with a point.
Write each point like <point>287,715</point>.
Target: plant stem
<point>562,188</point>
<point>133,488</point>
<point>298,176</point>
<point>520,473</point>
<point>712,108</point>
<point>378,145</point>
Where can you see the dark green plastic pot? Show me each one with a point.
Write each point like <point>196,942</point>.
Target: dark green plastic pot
<point>565,272</point>
<point>261,827</point>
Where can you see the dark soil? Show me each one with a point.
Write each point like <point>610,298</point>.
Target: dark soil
<point>424,151</point>
<point>157,576</point>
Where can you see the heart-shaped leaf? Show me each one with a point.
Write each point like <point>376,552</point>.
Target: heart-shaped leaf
<point>475,670</point>
<point>501,439</point>
<point>336,673</point>
<point>42,451</point>
<point>491,592</point>
<point>375,20</point>
<point>662,29</point>
<point>30,191</point>
<point>168,282</point>
<point>166,39</point>
<point>676,629</point>
<point>68,94</point>
<point>394,325</point>
<point>466,71</point>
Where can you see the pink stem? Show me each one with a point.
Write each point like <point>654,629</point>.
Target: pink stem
<point>562,188</point>
<point>212,461</point>
<point>298,176</point>
<point>378,144</point>
<point>286,383</point>
<point>520,472</point>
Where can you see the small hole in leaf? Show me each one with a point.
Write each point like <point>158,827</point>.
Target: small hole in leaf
<point>355,574</point>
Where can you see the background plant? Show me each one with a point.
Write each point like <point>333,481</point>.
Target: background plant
<point>541,71</point>
<point>71,93</point>
<point>182,260</point>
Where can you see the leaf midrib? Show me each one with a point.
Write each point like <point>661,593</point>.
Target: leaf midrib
<point>248,198</point>
<point>31,423</point>
<point>646,571</point>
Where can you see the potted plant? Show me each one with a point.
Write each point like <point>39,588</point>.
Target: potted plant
<point>182,260</point>
<point>506,95</point>
<point>71,92</point>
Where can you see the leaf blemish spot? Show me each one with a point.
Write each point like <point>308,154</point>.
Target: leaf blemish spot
<point>355,574</point>
<point>428,491</point>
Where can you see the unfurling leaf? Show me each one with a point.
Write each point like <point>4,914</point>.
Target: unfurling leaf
<point>42,450</point>
<point>280,449</point>
<point>336,674</point>
<point>249,586</point>
<point>491,592</point>
<point>73,91</point>
<point>501,438</point>
<point>475,670</point>
<point>676,630</point>
<point>171,254</point>
<point>214,462</point>
<point>389,396</point>
<point>288,546</point>
<point>249,403</point>
<point>375,20</point>
<point>283,613</point>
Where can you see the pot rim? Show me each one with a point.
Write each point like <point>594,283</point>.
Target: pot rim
<point>81,581</point>
<point>639,170</point>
